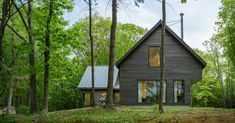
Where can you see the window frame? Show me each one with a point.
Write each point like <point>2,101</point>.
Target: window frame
<point>84,98</point>
<point>157,46</point>
<point>116,94</point>
<point>157,80</point>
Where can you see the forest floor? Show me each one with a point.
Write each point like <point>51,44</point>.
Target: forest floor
<point>123,114</point>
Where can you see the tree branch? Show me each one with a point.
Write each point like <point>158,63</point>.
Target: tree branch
<point>21,15</point>
<point>13,30</point>
<point>9,8</point>
<point>11,15</point>
<point>22,4</point>
<point>16,10</point>
<point>86,1</point>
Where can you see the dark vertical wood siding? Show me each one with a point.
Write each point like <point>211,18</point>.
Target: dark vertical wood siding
<point>179,65</point>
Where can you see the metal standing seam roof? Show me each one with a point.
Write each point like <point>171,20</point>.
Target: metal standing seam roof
<point>101,78</point>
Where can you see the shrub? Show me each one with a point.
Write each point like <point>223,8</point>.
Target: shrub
<point>23,110</point>
<point>155,107</point>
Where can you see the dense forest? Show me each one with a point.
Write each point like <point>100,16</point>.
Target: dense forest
<point>26,27</point>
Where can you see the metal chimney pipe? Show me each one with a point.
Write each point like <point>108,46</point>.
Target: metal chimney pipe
<point>182,25</point>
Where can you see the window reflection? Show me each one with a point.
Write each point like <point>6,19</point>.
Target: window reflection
<point>148,91</point>
<point>154,56</point>
<point>179,92</point>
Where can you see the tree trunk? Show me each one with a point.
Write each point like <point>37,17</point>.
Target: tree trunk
<point>232,94</point>
<point>234,65</point>
<point>222,89</point>
<point>162,56</point>
<point>9,103</point>
<point>11,82</point>
<point>109,101</point>
<point>62,96</point>
<point>230,87</point>
<point>5,13</point>
<point>47,58</point>
<point>219,75</point>
<point>232,45</point>
<point>32,77</point>
<point>227,89</point>
<point>232,57</point>
<point>92,54</point>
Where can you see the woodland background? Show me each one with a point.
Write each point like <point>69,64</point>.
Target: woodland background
<point>70,55</point>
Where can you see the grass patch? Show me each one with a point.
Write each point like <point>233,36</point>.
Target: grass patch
<point>133,114</point>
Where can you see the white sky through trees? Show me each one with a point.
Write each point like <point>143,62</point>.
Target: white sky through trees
<point>199,16</point>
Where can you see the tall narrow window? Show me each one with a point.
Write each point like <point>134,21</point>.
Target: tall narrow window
<point>154,56</point>
<point>179,92</point>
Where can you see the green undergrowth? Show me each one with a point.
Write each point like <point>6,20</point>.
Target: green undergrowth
<point>133,114</point>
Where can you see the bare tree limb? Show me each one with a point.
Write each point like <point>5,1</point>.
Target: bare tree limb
<point>9,7</point>
<point>22,4</point>
<point>16,10</point>
<point>21,15</point>
<point>86,1</point>
<point>11,15</point>
<point>17,34</point>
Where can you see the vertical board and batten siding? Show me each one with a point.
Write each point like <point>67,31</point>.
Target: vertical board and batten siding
<point>179,65</point>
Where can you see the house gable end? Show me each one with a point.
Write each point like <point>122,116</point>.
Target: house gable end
<point>148,34</point>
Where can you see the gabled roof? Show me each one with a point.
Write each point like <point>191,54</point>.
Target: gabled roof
<point>198,58</point>
<point>101,78</point>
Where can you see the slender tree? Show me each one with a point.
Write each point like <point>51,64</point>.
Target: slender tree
<point>32,66</point>
<point>12,79</point>
<point>92,54</point>
<point>215,48</point>
<point>32,100</point>
<point>47,56</point>
<point>4,19</point>
<point>109,100</point>
<point>162,56</point>
<point>219,73</point>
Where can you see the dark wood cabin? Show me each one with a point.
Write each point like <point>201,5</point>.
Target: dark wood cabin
<point>139,70</point>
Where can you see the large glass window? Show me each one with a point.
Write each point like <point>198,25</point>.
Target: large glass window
<point>148,91</point>
<point>179,92</point>
<point>154,56</point>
